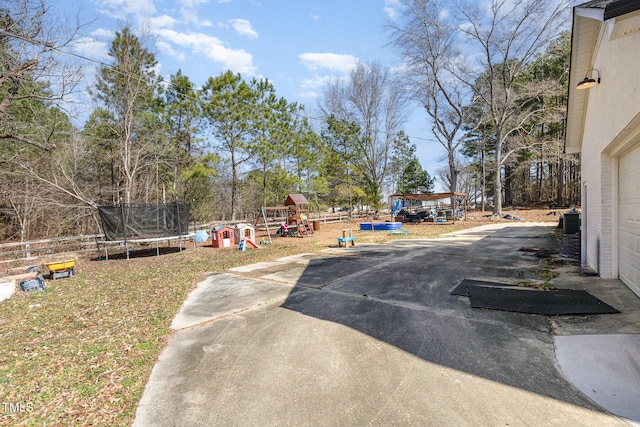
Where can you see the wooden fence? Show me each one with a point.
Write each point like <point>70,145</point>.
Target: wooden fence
<point>23,252</point>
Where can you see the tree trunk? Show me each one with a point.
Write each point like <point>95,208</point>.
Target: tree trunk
<point>508,185</point>
<point>560,173</point>
<point>497,181</point>
<point>484,178</point>
<point>452,170</point>
<point>234,185</point>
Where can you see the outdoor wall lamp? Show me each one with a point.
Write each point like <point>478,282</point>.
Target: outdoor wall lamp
<point>588,82</point>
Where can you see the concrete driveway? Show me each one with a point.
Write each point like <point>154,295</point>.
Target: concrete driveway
<point>371,335</point>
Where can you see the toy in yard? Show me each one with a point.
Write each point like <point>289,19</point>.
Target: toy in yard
<point>395,208</point>
<point>284,229</point>
<point>26,279</point>
<point>244,231</point>
<point>295,214</point>
<point>347,237</point>
<point>263,218</point>
<point>222,236</point>
<point>400,232</point>
<point>59,269</point>
<point>245,235</point>
<point>141,225</point>
<point>298,215</point>
<point>201,236</point>
<point>380,226</point>
<point>244,242</point>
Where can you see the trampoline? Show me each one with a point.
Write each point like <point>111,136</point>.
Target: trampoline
<point>156,240</point>
<point>128,224</point>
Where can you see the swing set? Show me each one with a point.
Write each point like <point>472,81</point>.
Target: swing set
<point>294,215</point>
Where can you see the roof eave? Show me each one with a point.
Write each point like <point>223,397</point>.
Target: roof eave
<point>584,36</point>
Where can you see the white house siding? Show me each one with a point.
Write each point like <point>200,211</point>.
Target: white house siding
<point>612,109</point>
<point>629,219</point>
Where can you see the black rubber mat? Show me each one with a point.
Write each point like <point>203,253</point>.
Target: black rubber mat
<point>547,303</point>
<point>461,289</point>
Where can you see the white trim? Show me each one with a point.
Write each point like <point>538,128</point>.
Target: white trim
<point>590,12</point>
<point>611,26</point>
<point>583,229</point>
<point>615,211</point>
<point>623,150</point>
<point>626,140</point>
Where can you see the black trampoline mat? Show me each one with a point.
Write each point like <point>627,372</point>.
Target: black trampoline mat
<point>547,303</point>
<point>461,289</point>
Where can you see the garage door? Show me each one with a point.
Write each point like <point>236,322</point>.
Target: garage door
<point>629,221</point>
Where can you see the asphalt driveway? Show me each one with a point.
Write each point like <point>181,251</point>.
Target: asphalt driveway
<point>371,335</point>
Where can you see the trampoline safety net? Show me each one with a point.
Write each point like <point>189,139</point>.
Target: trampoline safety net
<point>144,221</point>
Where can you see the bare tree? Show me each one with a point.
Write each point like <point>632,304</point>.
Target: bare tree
<point>476,53</point>
<point>373,100</point>
<point>429,45</point>
<point>31,40</point>
<point>34,83</point>
<point>507,36</point>
<point>70,175</point>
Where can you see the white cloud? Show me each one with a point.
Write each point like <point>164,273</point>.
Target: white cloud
<point>466,27</point>
<point>332,64</point>
<point>391,9</point>
<point>103,33</point>
<point>143,7</point>
<point>309,95</point>
<point>177,44</point>
<point>235,60</point>
<point>391,13</point>
<point>91,48</point>
<point>315,82</point>
<point>192,16</point>
<point>330,61</point>
<point>168,50</point>
<point>193,3</point>
<point>137,7</point>
<point>243,27</point>
<point>164,21</point>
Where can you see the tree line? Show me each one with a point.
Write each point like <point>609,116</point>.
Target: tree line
<point>492,77</point>
<point>232,145</point>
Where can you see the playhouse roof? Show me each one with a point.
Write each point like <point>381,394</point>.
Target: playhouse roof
<point>221,227</point>
<point>242,225</point>
<point>296,199</point>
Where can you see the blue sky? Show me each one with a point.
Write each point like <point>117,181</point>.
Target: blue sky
<point>299,45</point>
